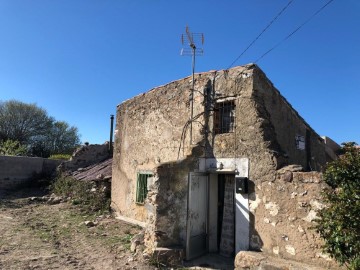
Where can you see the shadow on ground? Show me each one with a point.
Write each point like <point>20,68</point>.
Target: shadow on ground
<point>7,197</point>
<point>211,261</point>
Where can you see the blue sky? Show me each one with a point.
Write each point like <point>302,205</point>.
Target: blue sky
<point>78,59</point>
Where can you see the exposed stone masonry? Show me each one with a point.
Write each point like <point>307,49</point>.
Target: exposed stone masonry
<point>152,134</point>
<point>286,208</point>
<point>86,155</point>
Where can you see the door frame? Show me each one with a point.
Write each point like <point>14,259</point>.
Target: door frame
<point>240,167</point>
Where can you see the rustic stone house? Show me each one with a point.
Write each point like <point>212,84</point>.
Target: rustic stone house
<point>202,175</point>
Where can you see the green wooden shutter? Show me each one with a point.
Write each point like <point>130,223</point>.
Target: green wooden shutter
<point>141,188</point>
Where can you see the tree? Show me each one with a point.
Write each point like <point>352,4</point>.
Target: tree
<point>63,138</point>
<point>21,122</point>
<point>60,139</point>
<point>31,126</point>
<point>339,221</point>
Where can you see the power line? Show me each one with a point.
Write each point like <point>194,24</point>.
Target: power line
<point>293,32</point>
<point>262,32</point>
<point>278,44</point>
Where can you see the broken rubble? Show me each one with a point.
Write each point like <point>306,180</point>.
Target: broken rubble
<point>90,223</point>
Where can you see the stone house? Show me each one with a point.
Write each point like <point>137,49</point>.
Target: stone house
<point>211,174</point>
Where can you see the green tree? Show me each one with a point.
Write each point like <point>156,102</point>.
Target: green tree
<point>63,138</point>
<point>31,126</point>
<point>339,221</point>
<point>21,122</point>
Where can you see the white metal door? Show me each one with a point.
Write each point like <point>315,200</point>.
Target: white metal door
<point>197,213</point>
<point>242,218</point>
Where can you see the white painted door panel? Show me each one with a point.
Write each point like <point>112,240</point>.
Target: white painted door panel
<point>196,239</point>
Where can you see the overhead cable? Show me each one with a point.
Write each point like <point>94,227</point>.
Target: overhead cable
<point>293,32</point>
<point>262,32</point>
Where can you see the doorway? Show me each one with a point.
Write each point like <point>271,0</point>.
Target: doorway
<point>205,215</point>
<point>226,215</point>
<point>222,214</point>
<point>217,218</point>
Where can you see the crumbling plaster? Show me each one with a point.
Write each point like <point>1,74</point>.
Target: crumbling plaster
<point>285,211</point>
<point>85,156</point>
<point>152,134</point>
<point>16,171</point>
<point>150,127</point>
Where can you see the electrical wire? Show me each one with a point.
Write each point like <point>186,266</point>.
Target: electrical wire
<point>262,56</point>
<point>262,32</point>
<point>293,32</point>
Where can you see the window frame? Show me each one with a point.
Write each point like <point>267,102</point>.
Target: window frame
<point>141,186</point>
<point>224,116</point>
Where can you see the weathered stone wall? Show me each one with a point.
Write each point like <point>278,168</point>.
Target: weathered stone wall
<point>267,136</point>
<point>248,139</point>
<point>281,124</point>
<point>285,211</point>
<point>265,122</point>
<point>152,134</point>
<point>250,260</point>
<point>150,130</point>
<point>87,155</point>
<point>167,205</point>
<point>266,125</point>
<point>15,171</point>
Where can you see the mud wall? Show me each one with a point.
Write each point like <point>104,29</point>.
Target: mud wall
<point>265,132</point>
<point>167,205</point>
<point>285,210</point>
<point>152,134</point>
<point>86,155</point>
<point>15,171</point>
<point>248,139</point>
<point>152,130</point>
<point>283,203</point>
<point>283,127</point>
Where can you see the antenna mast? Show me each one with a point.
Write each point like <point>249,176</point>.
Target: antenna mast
<point>192,39</point>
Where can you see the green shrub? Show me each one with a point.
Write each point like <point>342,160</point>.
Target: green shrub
<point>86,194</point>
<point>60,156</point>
<point>339,221</point>
<point>12,148</point>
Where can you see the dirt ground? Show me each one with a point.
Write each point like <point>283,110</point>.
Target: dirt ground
<point>38,235</point>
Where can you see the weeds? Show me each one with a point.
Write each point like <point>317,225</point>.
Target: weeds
<point>60,156</point>
<point>126,240</point>
<point>87,195</point>
<point>59,230</point>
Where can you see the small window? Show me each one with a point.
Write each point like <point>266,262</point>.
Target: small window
<point>300,142</point>
<point>224,117</point>
<point>141,187</point>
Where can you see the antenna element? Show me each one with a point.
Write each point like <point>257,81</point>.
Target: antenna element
<point>193,40</point>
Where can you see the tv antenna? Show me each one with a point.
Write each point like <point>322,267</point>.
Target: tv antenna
<point>192,40</point>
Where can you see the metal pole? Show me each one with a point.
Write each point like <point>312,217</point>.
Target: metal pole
<point>190,40</point>
<point>192,91</point>
<point>111,134</point>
